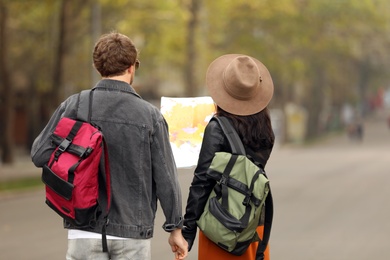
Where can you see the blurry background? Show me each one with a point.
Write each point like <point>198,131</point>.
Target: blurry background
<point>329,59</point>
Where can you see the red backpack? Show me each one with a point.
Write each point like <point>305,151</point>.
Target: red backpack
<point>71,175</point>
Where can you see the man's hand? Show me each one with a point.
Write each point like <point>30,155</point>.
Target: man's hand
<point>178,244</point>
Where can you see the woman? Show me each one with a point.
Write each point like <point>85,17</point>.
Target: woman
<point>241,87</point>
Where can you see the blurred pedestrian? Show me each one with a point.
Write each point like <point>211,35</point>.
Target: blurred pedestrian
<point>241,87</point>
<point>142,164</point>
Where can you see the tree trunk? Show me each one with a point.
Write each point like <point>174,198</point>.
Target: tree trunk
<point>34,118</point>
<point>96,30</point>
<point>190,73</point>
<point>57,84</point>
<point>6,100</point>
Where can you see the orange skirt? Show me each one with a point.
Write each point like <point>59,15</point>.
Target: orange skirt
<point>209,250</point>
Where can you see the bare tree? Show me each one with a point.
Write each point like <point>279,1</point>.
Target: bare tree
<point>96,30</point>
<point>60,54</point>
<point>190,77</point>
<point>6,109</point>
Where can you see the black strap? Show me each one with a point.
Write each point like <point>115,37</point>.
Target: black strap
<point>233,184</point>
<point>84,113</point>
<point>224,180</point>
<point>108,189</point>
<point>238,148</point>
<point>67,141</point>
<point>84,109</point>
<point>269,213</point>
<point>232,136</point>
<point>75,149</point>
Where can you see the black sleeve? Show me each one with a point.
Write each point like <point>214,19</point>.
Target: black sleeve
<point>201,186</point>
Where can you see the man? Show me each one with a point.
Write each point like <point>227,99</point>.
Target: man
<point>141,161</point>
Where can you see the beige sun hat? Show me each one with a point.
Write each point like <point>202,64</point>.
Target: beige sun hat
<point>239,84</point>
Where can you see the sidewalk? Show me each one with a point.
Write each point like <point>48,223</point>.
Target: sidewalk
<point>21,168</point>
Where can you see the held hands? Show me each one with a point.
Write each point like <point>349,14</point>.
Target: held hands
<point>178,244</point>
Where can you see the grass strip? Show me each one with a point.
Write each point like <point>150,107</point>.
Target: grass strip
<point>20,184</point>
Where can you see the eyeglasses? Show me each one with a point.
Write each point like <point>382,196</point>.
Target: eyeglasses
<point>136,64</point>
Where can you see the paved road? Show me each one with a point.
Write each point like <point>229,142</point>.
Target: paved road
<point>331,202</point>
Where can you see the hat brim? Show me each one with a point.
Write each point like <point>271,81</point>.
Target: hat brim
<point>215,86</point>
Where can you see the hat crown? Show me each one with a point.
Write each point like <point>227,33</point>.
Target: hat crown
<point>239,84</point>
<point>241,78</point>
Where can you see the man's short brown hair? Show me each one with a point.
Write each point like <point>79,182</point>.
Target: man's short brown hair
<point>113,54</point>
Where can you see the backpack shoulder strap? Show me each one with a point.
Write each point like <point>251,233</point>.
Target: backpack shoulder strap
<point>231,134</point>
<point>84,106</point>
<point>269,213</point>
<point>84,111</point>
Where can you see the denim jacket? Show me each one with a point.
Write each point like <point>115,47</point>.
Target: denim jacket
<point>141,161</point>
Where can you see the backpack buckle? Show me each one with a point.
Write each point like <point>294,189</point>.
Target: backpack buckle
<point>246,201</point>
<point>62,148</point>
<point>64,145</point>
<point>86,153</point>
<point>223,180</point>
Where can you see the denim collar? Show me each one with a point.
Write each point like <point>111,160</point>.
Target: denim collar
<point>118,85</point>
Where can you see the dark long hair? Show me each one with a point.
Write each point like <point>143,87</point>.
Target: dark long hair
<point>254,130</point>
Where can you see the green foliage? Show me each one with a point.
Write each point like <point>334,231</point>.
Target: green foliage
<point>29,38</point>
<point>318,45</point>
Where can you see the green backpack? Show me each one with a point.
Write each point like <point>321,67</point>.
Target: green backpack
<point>234,208</point>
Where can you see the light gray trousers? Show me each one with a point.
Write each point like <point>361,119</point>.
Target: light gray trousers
<point>119,249</point>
